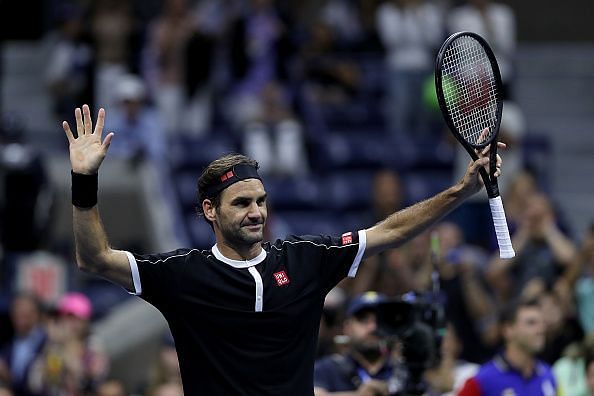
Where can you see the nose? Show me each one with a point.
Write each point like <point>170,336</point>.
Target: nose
<point>254,211</point>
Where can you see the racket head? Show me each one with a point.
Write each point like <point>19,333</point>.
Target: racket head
<point>469,89</point>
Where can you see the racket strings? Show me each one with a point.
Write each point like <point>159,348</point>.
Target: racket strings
<point>470,90</point>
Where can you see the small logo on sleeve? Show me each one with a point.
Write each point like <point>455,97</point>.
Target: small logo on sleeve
<point>347,238</point>
<point>281,278</point>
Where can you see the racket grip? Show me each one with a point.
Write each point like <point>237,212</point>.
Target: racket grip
<point>506,249</point>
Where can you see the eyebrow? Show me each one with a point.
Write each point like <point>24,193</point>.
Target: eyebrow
<point>242,199</point>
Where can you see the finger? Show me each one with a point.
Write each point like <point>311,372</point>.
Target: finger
<point>87,120</point>
<point>478,163</point>
<point>100,122</point>
<point>68,132</point>
<point>107,140</point>
<point>501,145</point>
<point>80,129</point>
<point>483,135</point>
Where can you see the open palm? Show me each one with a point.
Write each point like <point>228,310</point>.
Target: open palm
<point>87,151</point>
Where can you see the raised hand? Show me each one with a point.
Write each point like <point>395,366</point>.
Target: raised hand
<point>87,151</point>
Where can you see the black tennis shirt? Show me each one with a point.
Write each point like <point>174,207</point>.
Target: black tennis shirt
<point>247,327</point>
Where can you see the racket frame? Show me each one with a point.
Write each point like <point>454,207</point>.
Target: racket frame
<point>489,178</point>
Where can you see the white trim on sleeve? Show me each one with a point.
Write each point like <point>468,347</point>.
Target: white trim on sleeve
<point>360,252</point>
<point>135,274</point>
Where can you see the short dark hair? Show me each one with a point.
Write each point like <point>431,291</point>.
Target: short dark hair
<point>509,314</point>
<point>212,176</point>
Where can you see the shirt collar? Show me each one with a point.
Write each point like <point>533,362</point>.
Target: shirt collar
<point>238,263</point>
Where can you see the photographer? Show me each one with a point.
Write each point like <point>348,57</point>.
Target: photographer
<point>365,368</point>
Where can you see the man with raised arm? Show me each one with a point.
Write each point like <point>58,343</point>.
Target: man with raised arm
<point>244,314</point>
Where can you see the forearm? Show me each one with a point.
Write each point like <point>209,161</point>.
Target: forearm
<point>405,224</point>
<point>563,248</point>
<point>90,238</point>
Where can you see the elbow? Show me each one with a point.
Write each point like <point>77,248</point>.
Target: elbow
<point>88,263</point>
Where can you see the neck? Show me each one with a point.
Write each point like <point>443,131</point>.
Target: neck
<point>371,368</point>
<point>239,252</point>
<point>520,360</point>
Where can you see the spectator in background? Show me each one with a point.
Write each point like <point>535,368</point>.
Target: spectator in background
<point>26,198</point>
<point>331,79</point>
<point>72,361</point>
<point>571,370</point>
<point>387,272</point>
<point>562,327</point>
<point>257,58</point>
<point>70,66</point>
<point>164,64</point>
<point>584,287</point>
<point>516,370</point>
<point>410,31</point>
<point>496,23</point>
<point>366,367</point>
<point>274,136</point>
<point>141,135</point>
<point>544,254</point>
<point>468,304</point>
<point>16,358</point>
<point>165,370</point>
<point>448,377</point>
<point>114,31</point>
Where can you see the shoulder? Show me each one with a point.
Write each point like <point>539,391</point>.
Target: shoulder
<point>174,256</point>
<point>334,364</point>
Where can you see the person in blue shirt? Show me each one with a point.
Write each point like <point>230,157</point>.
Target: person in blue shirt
<point>516,370</point>
<point>366,367</point>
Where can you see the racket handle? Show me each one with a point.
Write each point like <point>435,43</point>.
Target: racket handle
<point>506,249</point>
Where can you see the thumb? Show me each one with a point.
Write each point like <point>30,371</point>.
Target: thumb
<point>107,140</point>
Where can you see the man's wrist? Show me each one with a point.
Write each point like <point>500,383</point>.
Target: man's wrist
<point>84,190</point>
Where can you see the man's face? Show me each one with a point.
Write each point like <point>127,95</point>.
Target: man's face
<point>361,330</point>
<point>24,315</point>
<point>241,216</point>
<point>527,333</point>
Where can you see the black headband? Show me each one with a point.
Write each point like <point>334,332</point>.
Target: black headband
<point>232,176</point>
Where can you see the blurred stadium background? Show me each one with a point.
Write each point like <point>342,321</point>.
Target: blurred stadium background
<point>303,86</point>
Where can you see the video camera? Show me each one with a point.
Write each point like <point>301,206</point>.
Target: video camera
<point>416,322</point>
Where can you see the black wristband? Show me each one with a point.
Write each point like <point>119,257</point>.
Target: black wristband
<point>84,190</point>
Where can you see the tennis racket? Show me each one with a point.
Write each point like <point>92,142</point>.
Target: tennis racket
<point>469,91</point>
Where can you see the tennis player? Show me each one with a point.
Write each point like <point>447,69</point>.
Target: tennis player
<point>244,314</point>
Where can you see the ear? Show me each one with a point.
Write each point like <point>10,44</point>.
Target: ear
<point>209,210</point>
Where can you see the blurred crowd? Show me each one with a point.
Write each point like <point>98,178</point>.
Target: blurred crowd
<point>277,77</point>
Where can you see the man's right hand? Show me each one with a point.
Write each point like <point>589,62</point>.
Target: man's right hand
<point>86,150</point>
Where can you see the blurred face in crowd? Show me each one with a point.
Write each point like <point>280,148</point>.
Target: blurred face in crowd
<point>527,332</point>
<point>24,315</point>
<point>552,311</point>
<point>387,192</point>
<point>242,214</point>
<point>361,330</point>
